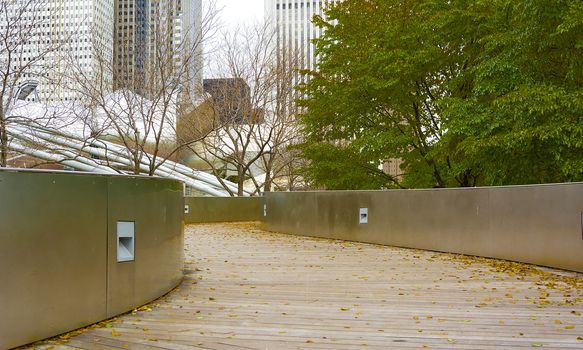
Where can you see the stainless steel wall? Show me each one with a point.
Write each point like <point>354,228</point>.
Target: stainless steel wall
<point>226,209</point>
<point>58,261</point>
<point>533,224</point>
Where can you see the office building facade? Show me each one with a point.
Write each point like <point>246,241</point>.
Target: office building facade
<point>60,37</point>
<point>106,40</point>
<point>294,30</point>
<point>148,32</point>
<point>129,46</point>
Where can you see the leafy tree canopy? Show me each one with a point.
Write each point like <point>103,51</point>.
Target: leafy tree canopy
<point>464,92</point>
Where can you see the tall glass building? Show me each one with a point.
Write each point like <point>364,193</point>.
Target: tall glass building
<point>106,40</point>
<point>145,30</point>
<point>292,21</point>
<point>60,33</point>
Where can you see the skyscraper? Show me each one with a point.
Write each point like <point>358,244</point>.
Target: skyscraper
<point>58,34</point>
<point>64,44</point>
<point>292,21</point>
<point>191,32</point>
<point>129,45</point>
<point>150,31</point>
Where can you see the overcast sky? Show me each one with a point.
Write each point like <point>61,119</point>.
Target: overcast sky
<point>233,14</point>
<point>240,11</point>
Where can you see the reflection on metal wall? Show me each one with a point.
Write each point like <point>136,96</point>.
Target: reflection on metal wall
<point>223,209</point>
<point>533,224</point>
<point>58,244</point>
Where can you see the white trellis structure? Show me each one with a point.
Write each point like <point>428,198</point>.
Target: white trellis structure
<point>93,154</point>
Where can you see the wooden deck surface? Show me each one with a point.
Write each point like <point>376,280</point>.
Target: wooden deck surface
<point>249,289</point>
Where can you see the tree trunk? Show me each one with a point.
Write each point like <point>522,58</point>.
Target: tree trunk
<point>136,164</point>
<point>3,142</point>
<point>268,181</point>
<point>240,181</point>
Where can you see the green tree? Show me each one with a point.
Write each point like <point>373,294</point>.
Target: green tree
<point>464,92</point>
<point>523,121</point>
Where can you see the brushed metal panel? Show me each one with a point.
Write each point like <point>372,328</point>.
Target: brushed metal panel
<point>156,207</point>
<point>52,248</point>
<point>538,224</point>
<point>545,221</point>
<point>57,247</point>
<point>227,209</point>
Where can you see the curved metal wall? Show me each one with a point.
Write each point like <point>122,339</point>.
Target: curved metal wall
<point>223,209</point>
<point>540,224</point>
<point>58,242</point>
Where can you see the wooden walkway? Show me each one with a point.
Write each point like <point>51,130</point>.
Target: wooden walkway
<point>249,289</point>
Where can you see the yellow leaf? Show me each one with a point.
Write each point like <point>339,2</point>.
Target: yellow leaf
<point>536,345</point>
<point>344,308</point>
<point>114,333</point>
<point>569,327</point>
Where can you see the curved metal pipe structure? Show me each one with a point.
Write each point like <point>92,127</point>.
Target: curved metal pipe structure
<point>68,150</point>
<point>50,141</point>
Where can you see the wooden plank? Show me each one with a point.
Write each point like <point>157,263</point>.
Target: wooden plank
<point>250,289</point>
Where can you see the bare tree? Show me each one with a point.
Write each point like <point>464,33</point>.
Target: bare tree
<point>27,56</point>
<point>253,102</point>
<point>154,81</point>
<point>281,160</point>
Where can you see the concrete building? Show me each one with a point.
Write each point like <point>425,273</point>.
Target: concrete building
<point>148,31</point>
<point>113,39</point>
<point>130,48</point>
<point>191,31</point>
<point>292,21</point>
<point>231,99</point>
<point>59,32</point>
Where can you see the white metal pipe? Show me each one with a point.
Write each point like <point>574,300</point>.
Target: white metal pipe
<point>104,149</point>
<point>102,153</point>
<point>84,160</point>
<point>122,151</point>
<point>66,155</point>
<point>53,158</point>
